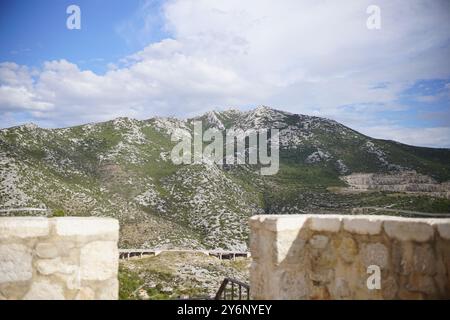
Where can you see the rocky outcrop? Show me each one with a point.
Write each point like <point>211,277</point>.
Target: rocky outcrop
<point>406,181</point>
<point>349,257</point>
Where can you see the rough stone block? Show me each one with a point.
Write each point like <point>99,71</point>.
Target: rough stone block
<point>85,294</point>
<point>348,249</point>
<point>56,265</point>
<point>375,254</point>
<point>58,258</point>
<point>23,227</point>
<point>15,263</point>
<point>318,241</point>
<point>89,226</point>
<point>330,223</point>
<point>389,288</point>
<point>362,225</point>
<point>424,260</point>
<point>47,250</point>
<point>98,260</point>
<point>109,290</point>
<point>45,290</point>
<point>341,289</point>
<point>404,230</point>
<point>421,283</point>
<point>444,229</point>
<point>288,246</point>
<point>333,265</point>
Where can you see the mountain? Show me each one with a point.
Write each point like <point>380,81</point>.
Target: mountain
<point>122,168</point>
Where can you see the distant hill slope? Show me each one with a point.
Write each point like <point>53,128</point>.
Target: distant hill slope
<point>122,168</point>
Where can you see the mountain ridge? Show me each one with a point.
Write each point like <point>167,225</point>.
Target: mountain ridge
<point>122,168</point>
<point>32,125</point>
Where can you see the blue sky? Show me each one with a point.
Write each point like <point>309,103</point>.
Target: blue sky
<point>144,58</point>
<point>34,31</point>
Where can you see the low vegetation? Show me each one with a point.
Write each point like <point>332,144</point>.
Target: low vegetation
<point>172,275</point>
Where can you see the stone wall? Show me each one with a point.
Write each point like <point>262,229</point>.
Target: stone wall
<point>332,257</point>
<point>58,258</point>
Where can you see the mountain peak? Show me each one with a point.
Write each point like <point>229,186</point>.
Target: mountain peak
<point>29,126</point>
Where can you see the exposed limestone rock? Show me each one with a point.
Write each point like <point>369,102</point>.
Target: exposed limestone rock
<point>404,181</point>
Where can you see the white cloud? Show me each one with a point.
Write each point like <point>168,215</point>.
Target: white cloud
<point>426,137</point>
<point>309,57</point>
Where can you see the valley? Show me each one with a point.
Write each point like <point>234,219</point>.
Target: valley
<point>122,168</point>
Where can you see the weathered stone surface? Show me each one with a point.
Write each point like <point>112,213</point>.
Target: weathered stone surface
<point>443,285</point>
<point>56,265</point>
<point>424,260</point>
<point>292,223</point>
<point>389,288</point>
<point>47,250</point>
<point>364,225</point>
<point>375,254</point>
<point>330,223</point>
<point>88,226</point>
<point>412,254</point>
<point>254,244</point>
<point>272,222</point>
<point>98,260</point>
<point>319,293</point>
<point>85,294</point>
<point>14,290</point>
<point>110,291</point>
<point>322,258</point>
<point>289,253</point>
<point>287,245</point>
<point>23,227</point>
<point>348,249</point>
<point>79,263</point>
<point>402,257</point>
<point>444,230</point>
<point>318,241</point>
<point>45,290</point>
<point>410,295</point>
<point>256,277</point>
<point>341,290</point>
<point>404,230</point>
<point>421,283</point>
<point>322,275</point>
<point>293,285</point>
<point>15,263</point>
